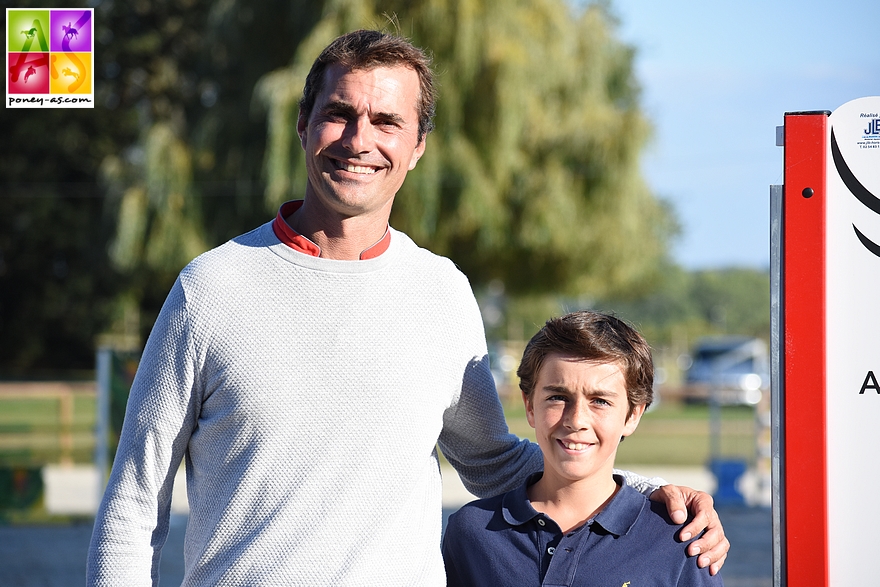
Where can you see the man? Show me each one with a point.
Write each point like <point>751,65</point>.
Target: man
<point>307,370</point>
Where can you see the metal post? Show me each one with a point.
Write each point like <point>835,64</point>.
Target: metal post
<point>777,387</point>
<point>102,427</point>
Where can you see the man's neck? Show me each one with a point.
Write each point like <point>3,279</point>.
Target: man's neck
<point>341,238</point>
<point>571,505</point>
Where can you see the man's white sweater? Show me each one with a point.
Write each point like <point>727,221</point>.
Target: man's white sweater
<point>307,396</point>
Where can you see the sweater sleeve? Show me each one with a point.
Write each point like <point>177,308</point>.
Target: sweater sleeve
<point>475,439</point>
<point>132,521</point>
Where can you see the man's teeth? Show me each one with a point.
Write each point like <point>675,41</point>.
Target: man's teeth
<point>575,445</point>
<point>359,169</point>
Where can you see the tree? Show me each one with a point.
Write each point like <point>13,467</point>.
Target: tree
<point>686,305</point>
<point>100,209</point>
<point>531,178</point>
<point>532,174</point>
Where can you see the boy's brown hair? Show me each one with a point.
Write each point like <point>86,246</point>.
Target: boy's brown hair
<point>592,336</point>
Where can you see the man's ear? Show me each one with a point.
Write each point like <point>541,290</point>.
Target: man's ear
<point>417,153</point>
<point>632,421</point>
<point>302,129</point>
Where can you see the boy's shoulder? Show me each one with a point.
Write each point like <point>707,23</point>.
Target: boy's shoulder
<point>478,514</point>
<point>632,514</point>
<point>507,511</point>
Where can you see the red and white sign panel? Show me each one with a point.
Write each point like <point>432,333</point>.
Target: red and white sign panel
<point>852,318</point>
<point>830,302</point>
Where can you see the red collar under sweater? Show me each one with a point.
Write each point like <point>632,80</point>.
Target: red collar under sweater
<point>298,242</point>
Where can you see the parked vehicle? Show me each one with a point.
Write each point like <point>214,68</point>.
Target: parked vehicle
<point>734,370</point>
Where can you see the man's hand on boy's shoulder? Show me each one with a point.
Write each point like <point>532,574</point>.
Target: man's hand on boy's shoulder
<point>712,546</point>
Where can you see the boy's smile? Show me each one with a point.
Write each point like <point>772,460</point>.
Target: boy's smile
<point>580,410</point>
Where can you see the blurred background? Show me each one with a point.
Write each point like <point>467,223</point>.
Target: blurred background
<point>612,155</point>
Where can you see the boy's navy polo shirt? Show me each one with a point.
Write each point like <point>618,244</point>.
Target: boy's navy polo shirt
<point>504,541</point>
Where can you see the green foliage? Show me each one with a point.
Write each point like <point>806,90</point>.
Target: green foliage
<point>99,209</point>
<point>190,179</point>
<point>20,488</point>
<point>532,174</point>
<point>56,288</point>
<point>531,178</point>
<point>685,306</point>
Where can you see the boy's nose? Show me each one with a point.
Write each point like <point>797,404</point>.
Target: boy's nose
<point>578,417</point>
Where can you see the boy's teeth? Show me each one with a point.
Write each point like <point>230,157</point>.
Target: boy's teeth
<point>575,446</point>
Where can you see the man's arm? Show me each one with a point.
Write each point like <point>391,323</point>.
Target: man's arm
<point>132,521</point>
<point>476,441</point>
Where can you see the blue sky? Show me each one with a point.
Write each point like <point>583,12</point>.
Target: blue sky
<point>717,79</point>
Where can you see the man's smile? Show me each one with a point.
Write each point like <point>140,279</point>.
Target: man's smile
<point>355,167</point>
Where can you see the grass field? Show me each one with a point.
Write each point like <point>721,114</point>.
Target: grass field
<point>46,429</point>
<point>671,434</point>
<point>36,431</point>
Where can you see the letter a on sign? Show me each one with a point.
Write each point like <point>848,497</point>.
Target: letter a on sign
<point>870,383</point>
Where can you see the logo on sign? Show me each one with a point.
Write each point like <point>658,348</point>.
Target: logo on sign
<point>855,187</point>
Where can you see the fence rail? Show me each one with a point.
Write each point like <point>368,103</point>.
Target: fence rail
<point>47,422</point>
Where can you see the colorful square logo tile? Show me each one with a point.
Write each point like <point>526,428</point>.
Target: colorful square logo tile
<point>50,58</point>
<point>71,30</point>
<point>70,73</point>
<point>28,73</point>
<point>27,30</point>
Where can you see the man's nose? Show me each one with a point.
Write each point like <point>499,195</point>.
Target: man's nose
<point>359,136</point>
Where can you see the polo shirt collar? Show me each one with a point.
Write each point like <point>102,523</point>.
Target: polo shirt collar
<point>515,505</point>
<point>287,235</point>
<point>618,517</point>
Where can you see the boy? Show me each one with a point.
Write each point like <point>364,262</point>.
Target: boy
<point>586,380</point>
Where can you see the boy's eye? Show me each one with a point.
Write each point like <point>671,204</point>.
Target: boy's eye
<point>556,398</point>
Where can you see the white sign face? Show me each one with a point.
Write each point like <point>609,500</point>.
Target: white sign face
<point>852,288</point>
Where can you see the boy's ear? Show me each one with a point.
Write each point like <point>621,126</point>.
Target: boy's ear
<point>530,410</point>
<point>632,421</point>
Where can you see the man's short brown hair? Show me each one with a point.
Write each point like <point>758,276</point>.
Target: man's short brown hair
<point>592,336</point>
<point>365,50</point>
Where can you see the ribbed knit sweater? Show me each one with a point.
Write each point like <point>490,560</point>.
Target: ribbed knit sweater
<point>306,396</point>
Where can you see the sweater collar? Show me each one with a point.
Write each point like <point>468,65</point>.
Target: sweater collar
<point>298,242</point>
